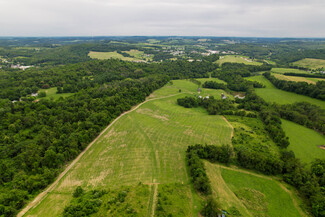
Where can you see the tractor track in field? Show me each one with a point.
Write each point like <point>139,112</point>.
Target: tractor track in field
<point>38,199</point>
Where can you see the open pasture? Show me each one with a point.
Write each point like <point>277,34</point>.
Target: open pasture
<point>237,59</point>
<point>288,70</point>
<point>139,55</point>
<point>297,79</point>
<point>251,194</point>
<point>304,142</point>
<point>272,94</point>
<point>310,63</point>
<point>109,55</point>
<point>146,145</point>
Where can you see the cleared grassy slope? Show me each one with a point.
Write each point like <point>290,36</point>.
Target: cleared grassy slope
<point>272,94</point>
<point>310,63</point>
<point>304,142</point>
<point>287,70</point>
<point>147,145</point>
<point>252,194</point>
<point>237,59</point>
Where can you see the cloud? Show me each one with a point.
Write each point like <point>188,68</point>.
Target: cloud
<point>278,18</point>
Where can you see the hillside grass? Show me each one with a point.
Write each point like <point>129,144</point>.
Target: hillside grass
<point>252,194</point>
<point>310,63</point>
<point>304,142</point>
<point>237,59</point>
<point>174,199</point>
<point>288,70</point>
<point>147,145</point>
<point>110,55</point>
<point>51,94</point>
<point>295,78</point>
<point>139,55</point>
<point>271,94</point>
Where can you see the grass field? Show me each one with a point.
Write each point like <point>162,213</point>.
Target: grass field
<point>147,145</point>
<point>297,79</point>
<point>251,194</point>
<point>109,55</point>
<point>304,142</point>
<point>310,63</point>
<point>288,70</point>
<point>139,55</point>
<point>51,93</point>
<point>272,94</point>
<point>237,59</point>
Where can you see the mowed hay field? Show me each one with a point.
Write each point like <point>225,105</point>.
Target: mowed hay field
<point>288,70</point>
<point>297,79</point>
<point>109,55</point>
<point>146,145</point>
<point>310,63</point>
<point>237,59</point>
<point>271,94</point>
<point>304,142</point>
<point>252,194</point>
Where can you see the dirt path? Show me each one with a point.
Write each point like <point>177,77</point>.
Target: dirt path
<point>229,124</point>
<point>42,195</point>
<point>294,201</point>
<point>152,200</point>
<point>155,198</point>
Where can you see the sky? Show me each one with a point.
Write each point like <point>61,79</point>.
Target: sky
<point>241,18</point>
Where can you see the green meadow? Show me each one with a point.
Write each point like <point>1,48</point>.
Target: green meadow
<point>109,55</point>
<point>288,70</point>
<point>250,194</point>
<point>304,142</point>
<point>310,63</point>
<point>237,59</point>
<point>146,145</point>
<point>297,79</point>
<point>272,94</point>
<point>51,93</point>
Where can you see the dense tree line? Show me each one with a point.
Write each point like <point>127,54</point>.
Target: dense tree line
<point>315,91</point>
<point>199,178</point>
<point>314,75</point>
<point>84,203</point>
<point>15,84</point>
<point>38,138</point>
<point>272,123</point>
<point>233,74</point>
<point>213,106</point>
<point>221,154</point>
<point>197,171</point>
<point>303,113</point>
<point>214,85</point>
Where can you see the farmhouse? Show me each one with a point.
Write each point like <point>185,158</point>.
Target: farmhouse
<point>223,96</point>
